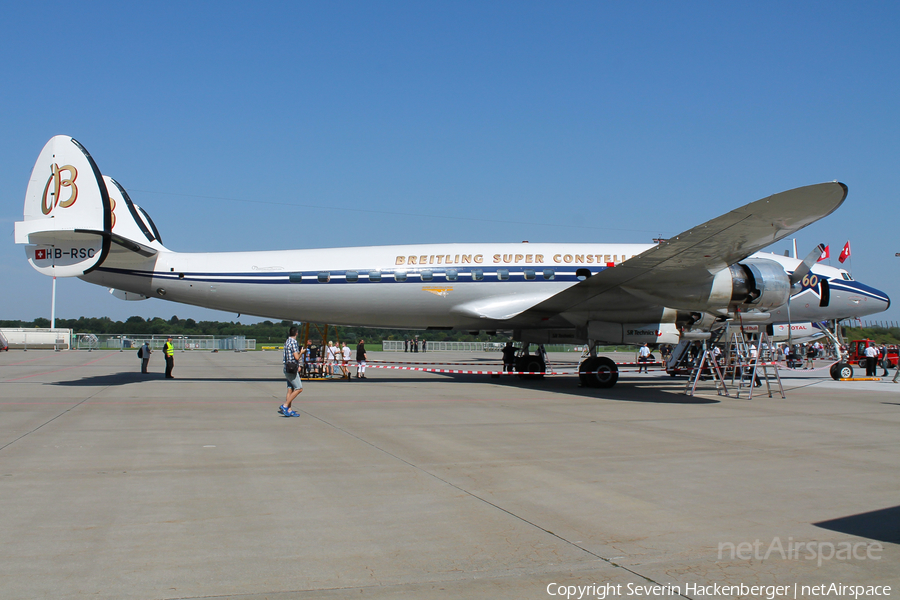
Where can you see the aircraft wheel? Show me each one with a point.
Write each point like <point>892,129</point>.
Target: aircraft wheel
<point>531,364</point>
<point>603,372</point>
<point>841,371</point>
<point>585,372</point>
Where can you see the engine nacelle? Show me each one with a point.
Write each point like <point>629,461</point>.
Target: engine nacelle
<point>757,283</point>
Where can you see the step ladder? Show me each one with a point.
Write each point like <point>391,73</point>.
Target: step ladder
<point>748,359</point>
<point>707,361</point>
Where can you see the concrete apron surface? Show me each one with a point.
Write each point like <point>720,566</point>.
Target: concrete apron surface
<point>407,484</point>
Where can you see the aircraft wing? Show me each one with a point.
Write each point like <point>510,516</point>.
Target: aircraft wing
<point>696,255</point>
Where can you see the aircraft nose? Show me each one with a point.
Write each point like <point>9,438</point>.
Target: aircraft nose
<point>880,298</point>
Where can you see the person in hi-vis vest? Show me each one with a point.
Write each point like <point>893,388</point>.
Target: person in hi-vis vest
<point>169,351</point>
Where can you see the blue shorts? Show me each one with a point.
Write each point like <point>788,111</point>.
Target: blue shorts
<point>293,380</point>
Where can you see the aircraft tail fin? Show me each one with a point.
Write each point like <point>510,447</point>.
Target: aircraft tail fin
<point>68,216</point>
<point>132,227</point>
<point>70,219</point>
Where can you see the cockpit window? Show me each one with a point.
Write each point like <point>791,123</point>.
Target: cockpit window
<point>846,276</point>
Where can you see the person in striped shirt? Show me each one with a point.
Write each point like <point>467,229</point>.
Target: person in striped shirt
<point>292,355</point>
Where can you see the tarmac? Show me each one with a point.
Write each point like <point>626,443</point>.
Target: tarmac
<point>419,485</point>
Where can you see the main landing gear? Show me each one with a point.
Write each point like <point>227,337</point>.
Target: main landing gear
<point>531,363</point>
<point>598,372</point>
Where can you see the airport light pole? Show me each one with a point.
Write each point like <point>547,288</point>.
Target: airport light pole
<point>53,305</point>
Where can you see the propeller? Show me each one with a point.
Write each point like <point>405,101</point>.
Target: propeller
<point>803,268</point>
<point>797,276</point>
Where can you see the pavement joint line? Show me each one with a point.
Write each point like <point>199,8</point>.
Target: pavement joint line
<point>71,408</point>
<point>609,561</point>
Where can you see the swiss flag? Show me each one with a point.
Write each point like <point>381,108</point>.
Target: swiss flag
<point>40,254</point>
<point>825,254</point>
<point>845,253</point>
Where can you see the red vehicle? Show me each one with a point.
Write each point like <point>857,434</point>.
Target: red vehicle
<point>857,352</point>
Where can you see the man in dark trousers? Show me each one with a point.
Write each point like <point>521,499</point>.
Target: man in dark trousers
<point>361,360</point>
<point>169,351</point>
<point>145,357</point>
<point>509,357</point>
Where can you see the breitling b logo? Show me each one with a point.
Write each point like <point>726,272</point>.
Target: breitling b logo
<point>60,178</point>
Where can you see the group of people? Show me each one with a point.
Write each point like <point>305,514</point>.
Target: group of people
<point>297,359</point>
<point>876,355</point>
<point>413,345</point>
<point>144,353</point>
<point>323,363</point>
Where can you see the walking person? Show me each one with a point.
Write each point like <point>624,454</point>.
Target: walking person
<point>169,352</point>
<point>424,345</point>
<point>361,360</point>
<point>810,356</point>
<point>291,359</point>
<point>145,353</point>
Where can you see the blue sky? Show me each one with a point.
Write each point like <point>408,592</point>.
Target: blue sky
<point>304,125</point>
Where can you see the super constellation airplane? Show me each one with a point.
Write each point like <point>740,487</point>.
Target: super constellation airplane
<point>80,223</point>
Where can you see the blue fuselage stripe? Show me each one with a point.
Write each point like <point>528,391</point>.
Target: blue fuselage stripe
<point>493,274</point>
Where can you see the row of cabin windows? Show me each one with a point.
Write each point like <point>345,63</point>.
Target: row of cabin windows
<point>449,274</point>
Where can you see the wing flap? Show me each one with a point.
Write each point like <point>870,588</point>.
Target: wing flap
<point>499,308</point>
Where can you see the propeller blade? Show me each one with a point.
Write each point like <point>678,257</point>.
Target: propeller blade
<point>801,271</point>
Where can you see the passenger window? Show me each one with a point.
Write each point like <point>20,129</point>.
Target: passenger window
<point>549,274</point>
<point>477,274</point>
<point>503,274</point>
<point>352,276</point>
<point>529,274</point>
<point>582,274</point>
<point>427,275</point>
<point>324,277</point>
<point>399,275</point>
<point>374,275</point>
<point>296,277</point>
<point>452,274</point>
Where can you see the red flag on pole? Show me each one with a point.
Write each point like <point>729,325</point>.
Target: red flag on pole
<point>845,253</point>
<point>825,254</point>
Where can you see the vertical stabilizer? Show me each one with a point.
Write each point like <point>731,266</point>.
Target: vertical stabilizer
<point>68,214</point>
<point>131,227</point>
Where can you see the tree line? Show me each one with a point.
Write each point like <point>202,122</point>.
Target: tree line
<point>270,332</point>
<point>264,332</point>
